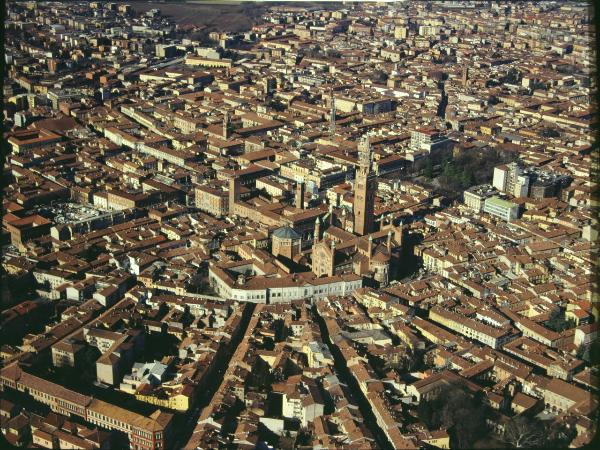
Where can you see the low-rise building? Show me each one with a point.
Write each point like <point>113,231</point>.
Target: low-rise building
<point>500,208</point>
<point>475,196</point>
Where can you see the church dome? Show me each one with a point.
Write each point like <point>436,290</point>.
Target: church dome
<point>286,233</point>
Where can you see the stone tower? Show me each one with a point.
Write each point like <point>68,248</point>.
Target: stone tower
<point>226,125</point>
<point>300,190</point>
<point>364,190</point>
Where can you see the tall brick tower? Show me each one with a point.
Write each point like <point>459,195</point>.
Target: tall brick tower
<point>300,190</point>
<point>226,125</point>
<point>364,190</point>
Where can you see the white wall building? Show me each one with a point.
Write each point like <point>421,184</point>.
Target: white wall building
<point>244,281</point>
<point>503,209</point>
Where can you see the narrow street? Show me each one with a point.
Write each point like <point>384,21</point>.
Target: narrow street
<point>189,420</point>
<point>357,395</point>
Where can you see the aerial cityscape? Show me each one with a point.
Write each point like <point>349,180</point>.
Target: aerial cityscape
<point>282,225</point>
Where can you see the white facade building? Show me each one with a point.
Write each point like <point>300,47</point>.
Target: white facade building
<point>503,209</point>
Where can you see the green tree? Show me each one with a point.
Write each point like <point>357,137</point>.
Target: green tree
<point>304,437</point>
<point>379,76</point>
<point>467,179</point>
<point>456,409</point>
<point>558,322</point>
<point>428,170</point>
<point>450,170</point>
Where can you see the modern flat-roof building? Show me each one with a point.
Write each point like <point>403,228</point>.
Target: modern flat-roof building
<point>429,139</point>
<point>503,209</point>
<point>475,196</point>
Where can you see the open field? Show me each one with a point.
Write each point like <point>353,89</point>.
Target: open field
<point>215,15</point>
<point>220,15</point>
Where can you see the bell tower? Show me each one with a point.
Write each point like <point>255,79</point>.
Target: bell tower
<point>364,190</point>
<point>226,125</point>
<point>300,190</point>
